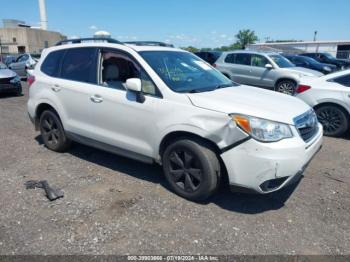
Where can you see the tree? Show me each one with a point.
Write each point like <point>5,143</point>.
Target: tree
<point>191,49</point>
<point>245,37</point>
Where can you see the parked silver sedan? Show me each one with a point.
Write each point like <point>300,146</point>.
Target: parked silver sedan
<point>268,70</point>
<point>24,62</point>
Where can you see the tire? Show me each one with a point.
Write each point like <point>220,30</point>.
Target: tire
<point>286,87</point>
<point>19,92</point>
<point>192,169</point>
<point>335,120</point>
<point>52,132</point>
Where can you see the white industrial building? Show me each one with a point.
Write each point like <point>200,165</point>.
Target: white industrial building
<point>340,49</point>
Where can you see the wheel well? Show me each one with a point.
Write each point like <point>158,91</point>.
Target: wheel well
<point>39,110</point>
<point>335,105</point>
<point>173,136</point>
<point>285,79</point>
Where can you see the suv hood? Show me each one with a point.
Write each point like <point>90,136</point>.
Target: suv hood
<point>304,71</point>
<point>251,101</point>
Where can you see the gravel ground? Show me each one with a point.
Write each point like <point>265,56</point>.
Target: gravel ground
<point>114,205</point>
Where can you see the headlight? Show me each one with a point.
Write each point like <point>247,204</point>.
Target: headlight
<point>261,129</point>
<point>327,68</point>
<point>16,79</point>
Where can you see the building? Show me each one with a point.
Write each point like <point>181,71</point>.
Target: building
<point>17,37</point>
<point>340,49</point>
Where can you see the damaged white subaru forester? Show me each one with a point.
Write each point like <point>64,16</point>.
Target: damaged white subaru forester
<point>166,105</point>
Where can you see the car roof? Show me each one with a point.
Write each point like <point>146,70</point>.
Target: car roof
<point>250,52</point>
<point>137,48</point>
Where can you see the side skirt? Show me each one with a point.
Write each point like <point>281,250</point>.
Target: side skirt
<point>109,148</point>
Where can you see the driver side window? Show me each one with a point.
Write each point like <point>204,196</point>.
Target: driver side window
<point>117,67</point>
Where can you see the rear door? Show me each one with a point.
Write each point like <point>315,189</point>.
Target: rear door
<point>241,69</point>
<point>74,88</point>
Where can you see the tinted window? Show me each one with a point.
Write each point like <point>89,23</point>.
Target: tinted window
<point>52,63</point>
<point>259,61</point>
<point>243,59</point>
<point>79,64</point>
<point>343,80</point>
<point>230,58</point>
<point>22,58</point>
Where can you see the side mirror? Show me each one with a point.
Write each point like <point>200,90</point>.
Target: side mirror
<point>268,66</point>
<point>134,85</point>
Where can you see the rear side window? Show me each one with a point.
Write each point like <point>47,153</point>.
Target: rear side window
<point>243,59</point>
<point>230,58</point>
<point>51,64</point>
<point>343,80</point>
<point>79,64</point>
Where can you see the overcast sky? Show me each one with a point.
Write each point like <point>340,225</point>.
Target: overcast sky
<point>199,23</point>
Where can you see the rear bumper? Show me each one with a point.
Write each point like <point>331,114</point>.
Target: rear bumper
<point>266,167</point>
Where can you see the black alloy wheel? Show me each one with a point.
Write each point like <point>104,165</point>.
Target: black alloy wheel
<point>191,168</point>
<point>52,132</point>
<point>333,119</point>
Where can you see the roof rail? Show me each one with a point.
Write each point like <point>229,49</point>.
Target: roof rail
<point>148,43</point>
<point>81,40</point>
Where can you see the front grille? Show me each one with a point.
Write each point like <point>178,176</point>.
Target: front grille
<point>307,125</point>
<point>6,80</point>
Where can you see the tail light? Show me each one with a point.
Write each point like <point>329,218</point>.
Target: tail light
<point>30,80</point>
<point>302,88</point>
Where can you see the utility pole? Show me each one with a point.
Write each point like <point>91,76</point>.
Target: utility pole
<point>315,36</point>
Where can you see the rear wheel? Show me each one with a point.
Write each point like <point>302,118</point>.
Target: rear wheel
<point>286,87</point>
<point>52,132</point>
<point>192,169</point>
<point>334,120</point>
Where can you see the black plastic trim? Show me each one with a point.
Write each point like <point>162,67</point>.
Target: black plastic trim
<point>227,148</point>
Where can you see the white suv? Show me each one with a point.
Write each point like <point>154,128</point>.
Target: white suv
<point>166,105</point>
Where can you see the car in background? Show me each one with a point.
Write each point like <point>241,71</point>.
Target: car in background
<point>267,70</point>
<point>329,95</point>
<point>10,82</point>
<point>328,59</point>
<point>9,59</point>
<point>209,56</point>
<point>308,62</point>
<point>24,62</point>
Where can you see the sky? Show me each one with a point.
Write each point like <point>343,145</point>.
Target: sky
<point>200,23</point>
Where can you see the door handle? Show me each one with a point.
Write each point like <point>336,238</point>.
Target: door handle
<point>56,88</point>
<point>96,99</point>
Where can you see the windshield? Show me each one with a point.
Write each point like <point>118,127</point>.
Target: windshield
<point>329,56</point>
<point>281,61</point>
<point>2,66</point>
<point>309,59</point>
<point>185,72</point>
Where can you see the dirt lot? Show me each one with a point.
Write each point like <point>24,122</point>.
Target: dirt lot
<point>113,205</point>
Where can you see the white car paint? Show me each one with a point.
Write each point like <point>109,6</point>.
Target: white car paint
<point>139,128</point>
<point>324,90</point>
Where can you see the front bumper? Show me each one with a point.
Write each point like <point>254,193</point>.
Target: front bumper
<point>267,167</point>
<point>10,87</point>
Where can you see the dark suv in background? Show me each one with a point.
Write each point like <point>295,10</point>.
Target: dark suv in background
<point>328,59</point>
<point>308,62</point>
<point>209,56</point>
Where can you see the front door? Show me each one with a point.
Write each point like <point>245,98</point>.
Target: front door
<point>119,118</point>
